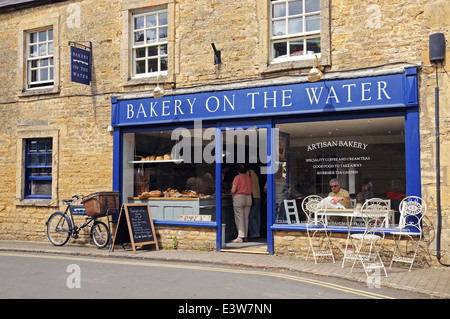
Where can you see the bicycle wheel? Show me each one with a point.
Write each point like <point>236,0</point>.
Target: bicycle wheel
<point>100,234</point>
<point>58,228</point>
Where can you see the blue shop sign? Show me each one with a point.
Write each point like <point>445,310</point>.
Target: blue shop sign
<point>80,65</point>
<point>378,92</point>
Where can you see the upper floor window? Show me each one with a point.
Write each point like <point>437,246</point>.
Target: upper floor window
<point>40,59</point>
<point>295,29</point>
<point>149,43</point>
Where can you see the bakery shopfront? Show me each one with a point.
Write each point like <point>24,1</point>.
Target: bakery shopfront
<point>179,153</point>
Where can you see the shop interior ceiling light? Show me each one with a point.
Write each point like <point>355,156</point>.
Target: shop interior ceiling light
<point>159,91</point>
<point>315,74</point>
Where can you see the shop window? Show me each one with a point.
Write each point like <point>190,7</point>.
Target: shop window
<point>163,172</point>
<point>294,29</point>
<point>38,168</point>
<point>149,43</point>
<point>40,59</point>
<point>366,155</point>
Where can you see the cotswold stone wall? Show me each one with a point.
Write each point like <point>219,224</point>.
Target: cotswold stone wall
<point>357,35</point>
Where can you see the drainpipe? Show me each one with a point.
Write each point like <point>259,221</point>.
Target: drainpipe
<point>437,53</point>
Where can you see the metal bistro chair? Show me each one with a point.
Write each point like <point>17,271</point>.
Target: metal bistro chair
<point>374,212</point>
<point>412,210</point>
<point>317,225</point>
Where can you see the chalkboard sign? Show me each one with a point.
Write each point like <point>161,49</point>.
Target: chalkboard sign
<point>138,230</point>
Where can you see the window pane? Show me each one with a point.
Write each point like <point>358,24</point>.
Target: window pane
<point>279,10</point>
<point>41,187</point>
<point>50,35</point>
<point>42,49</point>
<point>42,36</point>
<point>318,151</point>
<point>279,28</point>
<point>50,48</point>
<point>296,48</point>
<point>313,23</point>
<point>44,74</point>
<point>140,67</point>
<point>151,20</point>
<point>139,23</point>
<point>163,18</point>
<point>163,34</point>
<point>295,7</point>
<point>152,65</point>
<point>51,74</point>
<point>295,25</point>
<point>280,49</point>
<point>44,62</point>
<point>312,5</point>
<point>34,64</point>
<point>33,51</point>
<point>313,45</point>
<point>140,53</point>
<point>153,51</point>
<point>34,76</point>
<point>163,49</point>
<point>33,37</point>
<point>151,35</point>
<point>163,64</point>
<point>139,37</point>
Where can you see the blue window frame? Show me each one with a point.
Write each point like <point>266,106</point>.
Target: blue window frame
<point>38,168</point>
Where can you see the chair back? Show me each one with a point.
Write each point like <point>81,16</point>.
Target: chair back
<point>374,214</point>
<point>310,205</point>
<point>290,207</point>
<point>412,210</point>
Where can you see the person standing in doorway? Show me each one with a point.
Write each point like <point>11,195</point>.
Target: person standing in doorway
<point>254,219</point>
<point>241,191</point>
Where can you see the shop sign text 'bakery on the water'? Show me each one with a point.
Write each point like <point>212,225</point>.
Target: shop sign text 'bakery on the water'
<point>325,96</point>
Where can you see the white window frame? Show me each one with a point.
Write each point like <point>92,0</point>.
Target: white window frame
<point>159,43</point>
<point>289,38</point>
<point>40,62</point>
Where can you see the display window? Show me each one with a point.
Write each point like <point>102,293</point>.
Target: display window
<point>355,158</point>
<point>162,170</point>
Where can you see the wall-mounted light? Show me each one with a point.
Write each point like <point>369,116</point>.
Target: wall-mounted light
<point>217,55</point>
<point>159,91</point>
<point>315,74</point>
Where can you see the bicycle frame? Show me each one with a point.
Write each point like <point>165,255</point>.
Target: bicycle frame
<point>74,229</point>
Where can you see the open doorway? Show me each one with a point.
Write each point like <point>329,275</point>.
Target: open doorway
<point>249,147</point>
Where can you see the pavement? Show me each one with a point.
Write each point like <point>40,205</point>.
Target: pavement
<point>432,281</point>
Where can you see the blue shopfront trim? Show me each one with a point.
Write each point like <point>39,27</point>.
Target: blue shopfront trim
<point>377,96</point>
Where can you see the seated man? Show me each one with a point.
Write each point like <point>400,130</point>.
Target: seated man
<point>339,195</point>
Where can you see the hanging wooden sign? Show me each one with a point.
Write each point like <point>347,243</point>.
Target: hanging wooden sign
<point>138,228</point>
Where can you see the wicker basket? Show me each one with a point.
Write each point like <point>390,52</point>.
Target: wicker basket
<point>98,204</point>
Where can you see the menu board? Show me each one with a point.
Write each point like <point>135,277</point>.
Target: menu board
<point>138,229</point>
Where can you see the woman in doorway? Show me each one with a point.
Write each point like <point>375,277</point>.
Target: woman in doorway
<point>242,201</point>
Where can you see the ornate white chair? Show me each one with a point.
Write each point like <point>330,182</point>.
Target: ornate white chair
<point>290,207</point>
<point>374,213</point>
<point>317,225</point>
<point>412,210</point>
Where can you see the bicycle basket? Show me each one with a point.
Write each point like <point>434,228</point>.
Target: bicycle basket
<point>100,203</point>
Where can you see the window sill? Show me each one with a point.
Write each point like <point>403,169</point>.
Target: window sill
<point>39,91</point>
<point>36,202</point>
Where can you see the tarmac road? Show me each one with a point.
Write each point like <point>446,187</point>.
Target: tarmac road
<point>36,275</point>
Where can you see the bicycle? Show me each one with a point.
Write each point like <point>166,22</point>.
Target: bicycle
<point>60,227</point>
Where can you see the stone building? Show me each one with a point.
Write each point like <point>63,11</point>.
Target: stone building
<point>371,116</point>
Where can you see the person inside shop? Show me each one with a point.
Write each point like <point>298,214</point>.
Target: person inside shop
<point>254,218</point>
<point>339,194</point>
<point>241,190</point>
<point>396,194</point>
<point>365,194</point>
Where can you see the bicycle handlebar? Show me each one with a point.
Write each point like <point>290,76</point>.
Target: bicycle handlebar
<point>73,199</point>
